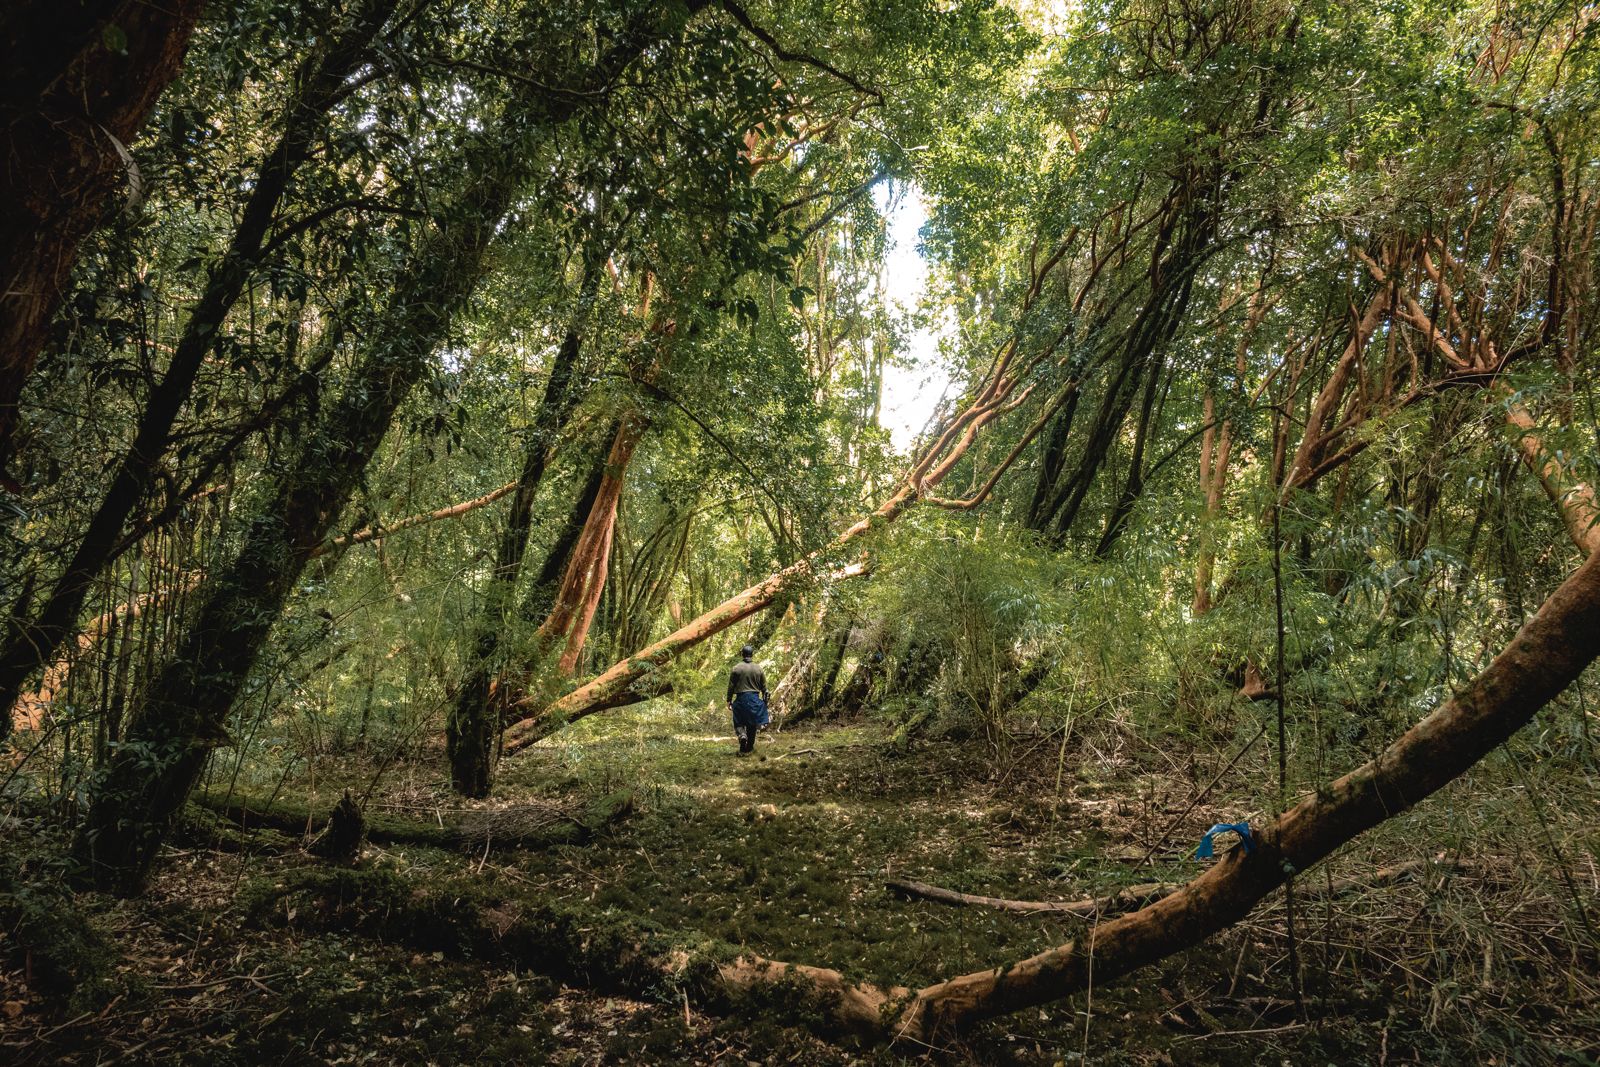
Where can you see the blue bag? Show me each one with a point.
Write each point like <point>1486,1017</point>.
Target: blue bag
<point>750,710</point>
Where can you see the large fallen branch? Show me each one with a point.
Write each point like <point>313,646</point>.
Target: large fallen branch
<point>1549,652</point>
<point>607,952</point>
<point>528,827</point>
<point>1132,897</point>
<point>634,679</point>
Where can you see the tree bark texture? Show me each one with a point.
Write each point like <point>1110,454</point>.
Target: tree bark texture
<point>541,595</point>
<point>1215,445</point>
<point>585,578</point>
<point>1574,499</point>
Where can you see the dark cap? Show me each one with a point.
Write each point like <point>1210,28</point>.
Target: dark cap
<point>747,651</point>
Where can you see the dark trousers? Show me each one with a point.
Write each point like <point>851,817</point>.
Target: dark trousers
<point>747,737</point>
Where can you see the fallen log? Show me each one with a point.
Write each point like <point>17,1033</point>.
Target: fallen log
<point>1136,896</point>
<point>528,827</point>
<point>1548,653</point>
<point>630,956</point>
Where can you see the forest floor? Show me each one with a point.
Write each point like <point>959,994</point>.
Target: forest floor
<point>1487,956</point>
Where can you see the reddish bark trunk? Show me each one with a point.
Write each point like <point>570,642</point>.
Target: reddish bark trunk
<point>585,578</point>
<point>1311,460</point>
<point>1216,447</point>
<point>1574,499</point>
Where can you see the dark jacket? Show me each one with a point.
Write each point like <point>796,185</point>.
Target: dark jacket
<point>747,678</point>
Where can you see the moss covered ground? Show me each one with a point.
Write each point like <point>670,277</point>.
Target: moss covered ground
<point>1489,957</point>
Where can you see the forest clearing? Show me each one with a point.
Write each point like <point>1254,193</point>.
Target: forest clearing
<point>815,532</point>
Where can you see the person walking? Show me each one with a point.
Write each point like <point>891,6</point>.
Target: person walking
<point>747,699</point>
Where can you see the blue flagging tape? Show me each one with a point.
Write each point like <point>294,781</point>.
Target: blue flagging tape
<point>1206,850</point>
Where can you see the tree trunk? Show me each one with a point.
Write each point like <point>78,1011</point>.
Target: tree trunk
<point>474,725</point>
<point>1142,349</point>
<point>585,578</point>
<point>79,79</point>
<point>1311,459</point>
<point>1553,647</point>
<point>650,574</point>
<point>1133,487</point>
<point>542,589</point>
<point>30,644</point>
<point>1573,498</point>
<point>184,712</point>
<point>1215,444</point>
<point>1052,458</point>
